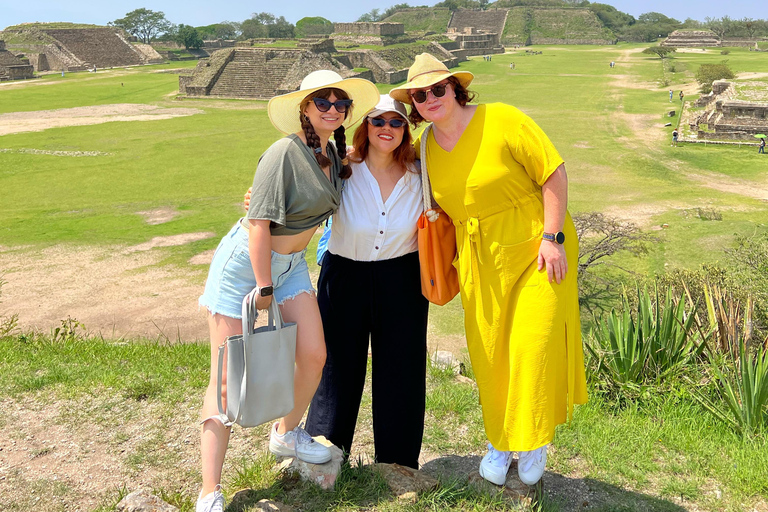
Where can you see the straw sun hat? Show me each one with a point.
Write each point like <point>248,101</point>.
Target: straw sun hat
<point>425,71</point>
<point>283,110</point>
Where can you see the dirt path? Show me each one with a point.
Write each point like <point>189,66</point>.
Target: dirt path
<point>39,120</point>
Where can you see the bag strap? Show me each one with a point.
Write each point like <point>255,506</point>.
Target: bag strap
<point>222,412</point>
<point>426,188</point>
<point>249,318</point>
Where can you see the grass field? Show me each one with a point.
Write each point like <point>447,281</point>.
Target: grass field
<point>124,411</point>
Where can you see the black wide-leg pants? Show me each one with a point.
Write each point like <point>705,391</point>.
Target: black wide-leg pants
<point>381,300</point>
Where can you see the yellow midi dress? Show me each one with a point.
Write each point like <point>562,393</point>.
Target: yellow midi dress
<point>523,333</point>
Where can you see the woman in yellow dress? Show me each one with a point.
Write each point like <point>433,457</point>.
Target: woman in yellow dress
<point>500,179</point>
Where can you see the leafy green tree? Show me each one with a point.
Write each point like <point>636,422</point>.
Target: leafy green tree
<point>313,26</point>
<point>392,10</point>
<point>189,37</point>
<point>373,16</point>
<point>661,51</point>
<point>281,28</point>
<point>708,73</point>
<point>253,29</point>
<point>143,23</point>
<point>611,17</point>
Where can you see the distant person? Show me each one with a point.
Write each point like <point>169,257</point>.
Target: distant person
<point>674,137</point>
<point>761,148</point>
<point>671,93</point>
<point>682,95</point>
<point>62,73</point>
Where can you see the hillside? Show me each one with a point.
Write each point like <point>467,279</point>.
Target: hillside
<point>422,19</point>
<point>554,26</point>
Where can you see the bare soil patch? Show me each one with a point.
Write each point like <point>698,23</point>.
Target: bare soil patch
<point>39,120</point>
<point>169,241</point>
<point>159,215</point>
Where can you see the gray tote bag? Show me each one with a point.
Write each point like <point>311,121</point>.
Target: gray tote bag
<point>260,365</point>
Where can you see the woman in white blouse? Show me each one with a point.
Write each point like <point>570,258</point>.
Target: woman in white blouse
<point>369,288</point>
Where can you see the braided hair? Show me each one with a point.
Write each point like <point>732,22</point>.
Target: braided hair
<point>313,139</point>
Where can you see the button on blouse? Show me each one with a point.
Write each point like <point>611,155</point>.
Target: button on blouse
<point>365,228</point>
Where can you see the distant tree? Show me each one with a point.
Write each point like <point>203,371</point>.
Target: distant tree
<point>252,29</point>
<point>189,37</point>
<point>223,30</point>
<point>313,26</point>
<point>281,28</point>
<point>265,18</point>
<point>708,73</point>
<point>611,17</point>
<point>143,23</point>
<point>370,17</point>
<point>692,23</point>
<point>661,51</point>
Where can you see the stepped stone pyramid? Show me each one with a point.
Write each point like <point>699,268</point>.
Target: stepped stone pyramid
<point>12,67</point>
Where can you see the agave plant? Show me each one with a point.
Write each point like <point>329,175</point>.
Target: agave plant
<point>744,391</point>
<point>646,347</point>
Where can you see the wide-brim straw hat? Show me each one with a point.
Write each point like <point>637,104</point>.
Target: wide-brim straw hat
<point>283,110</point>
<point>425,71</point>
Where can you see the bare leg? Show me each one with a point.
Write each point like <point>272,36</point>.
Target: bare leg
<point>310,355</point>
<point>215,436</point>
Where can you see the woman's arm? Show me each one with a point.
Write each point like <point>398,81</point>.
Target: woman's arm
<point>260,252</point>
<point>555,196</point>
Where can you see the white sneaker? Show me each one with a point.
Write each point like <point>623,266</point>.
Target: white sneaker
<point>298,443</point>
<point>531,465</point>
<point>213,502</point>
<point>495,465</point>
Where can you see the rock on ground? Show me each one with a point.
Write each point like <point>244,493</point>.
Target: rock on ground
<point>323,475</point>
<point>143,501</point>
<point>405,482</point>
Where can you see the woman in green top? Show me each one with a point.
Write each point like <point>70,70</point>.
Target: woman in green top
<point>296,187</point>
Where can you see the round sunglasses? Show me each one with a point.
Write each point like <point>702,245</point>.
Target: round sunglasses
<point>324,105</point>
<point>438,91</point>
<point>379,122</point>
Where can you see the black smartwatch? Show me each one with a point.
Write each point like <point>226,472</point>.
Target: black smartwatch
<point>266,291</point>
<point>558,237</point>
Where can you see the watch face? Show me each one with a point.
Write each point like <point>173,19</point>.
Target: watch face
<point>560,238</point>
<point>266,291</point>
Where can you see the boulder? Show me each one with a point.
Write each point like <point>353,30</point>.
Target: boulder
<point>405,482</point>
<point>144,501</point>
<point>323,475</point>
<point>446,359</point>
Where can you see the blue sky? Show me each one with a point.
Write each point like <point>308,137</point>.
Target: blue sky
<point>198,12</point>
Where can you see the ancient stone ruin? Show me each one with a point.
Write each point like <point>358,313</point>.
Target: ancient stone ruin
<point>692,39</point>
<point>261,73</point>
<point>380,34</point>
<point>726,117</point>
<point>476,32</point>
<point>12,67</point>
<point>76,49</point>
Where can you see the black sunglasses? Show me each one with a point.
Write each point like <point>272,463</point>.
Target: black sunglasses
<point>378,122</point>
<point>421,96</point>
<point>325,105</point>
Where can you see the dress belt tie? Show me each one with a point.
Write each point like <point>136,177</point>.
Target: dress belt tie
<point>473,229</point>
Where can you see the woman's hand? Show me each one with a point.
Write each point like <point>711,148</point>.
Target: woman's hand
<point>263,302</point>
<point>247,199</point>
<point>552,255</point>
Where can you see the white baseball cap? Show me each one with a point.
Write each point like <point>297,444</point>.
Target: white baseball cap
<point>388,104</point>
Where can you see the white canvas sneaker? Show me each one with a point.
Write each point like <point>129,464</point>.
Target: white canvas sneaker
<point>298,443</point>
<point>213,502</point>
<point>531,465</point>
<point>495,465</point>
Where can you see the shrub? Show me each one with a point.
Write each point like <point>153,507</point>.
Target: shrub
<point>644,345</point>
<point>743,388</point>
<point>708,73</point>
<point>672,68</point>
<point>8,324</point>
<point>725,52</point>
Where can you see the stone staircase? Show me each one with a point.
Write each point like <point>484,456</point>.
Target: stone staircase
<point>491,20</point>
<point>254,73</point>
<point>100,47</point>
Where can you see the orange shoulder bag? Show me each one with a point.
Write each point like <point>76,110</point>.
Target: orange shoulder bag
<point>437,243</point>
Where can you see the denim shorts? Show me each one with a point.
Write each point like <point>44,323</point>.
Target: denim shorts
<point>230,277</point>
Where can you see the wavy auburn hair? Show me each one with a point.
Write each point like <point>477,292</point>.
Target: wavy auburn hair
<point>404,154</point>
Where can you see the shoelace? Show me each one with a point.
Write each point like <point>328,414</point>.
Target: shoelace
<point>497,456</point>
<point>527,460</point>
<point>302,436</point>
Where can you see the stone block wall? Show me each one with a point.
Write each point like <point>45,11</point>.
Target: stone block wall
<point>101,47</point>
<point>377,29</point>
<point>692,39</point>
